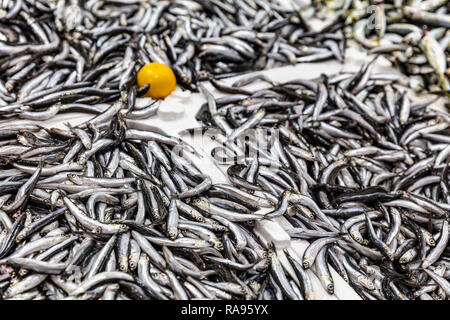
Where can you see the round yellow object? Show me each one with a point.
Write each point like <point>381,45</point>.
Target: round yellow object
<point>160,77</point>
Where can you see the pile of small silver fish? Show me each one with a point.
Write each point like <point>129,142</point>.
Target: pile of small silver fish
<point>70,55</point>
<point>355,166</point>
<point>102,211</point>
<point>62,56</point>
<point>415,35</point>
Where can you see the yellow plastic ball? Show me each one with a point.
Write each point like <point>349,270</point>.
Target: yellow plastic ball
<point>160,77</point>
